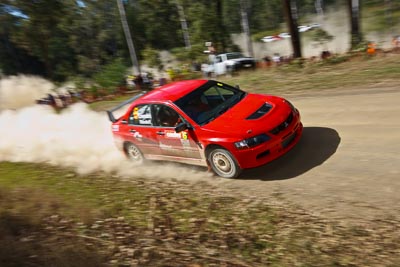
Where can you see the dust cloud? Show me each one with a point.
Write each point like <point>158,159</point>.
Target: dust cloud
<point>76,137</point>
<point>335,21</point>
<point>21,91</point>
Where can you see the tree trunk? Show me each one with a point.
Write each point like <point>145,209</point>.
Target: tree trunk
<point>354,9</point>
<point>184,26</point>
<point>291,18</point>
<point>245,26</point>
<point>221,27</point>
<point>132,52</point>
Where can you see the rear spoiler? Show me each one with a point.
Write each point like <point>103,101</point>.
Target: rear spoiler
<point>126,102</point>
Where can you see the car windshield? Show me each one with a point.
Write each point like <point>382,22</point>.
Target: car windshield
<point>209,101</point>
<point>234,55</point>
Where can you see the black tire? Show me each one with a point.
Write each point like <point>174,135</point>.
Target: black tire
<point>133,153</point>
<point>224,163</point>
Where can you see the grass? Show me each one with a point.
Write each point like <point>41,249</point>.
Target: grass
<point>90,198</point>
<point>25,241</point>
<point>102,218</point>
<point>108,104</point>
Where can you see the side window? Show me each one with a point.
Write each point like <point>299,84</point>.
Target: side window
<point>140,115</point>
<point>165,116</point>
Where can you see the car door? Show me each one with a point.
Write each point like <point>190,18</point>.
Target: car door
<point>171,143</point>
<point>141,131</point>
<point>220,67</point>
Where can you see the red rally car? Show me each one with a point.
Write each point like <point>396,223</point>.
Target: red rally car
<point>207,123</point>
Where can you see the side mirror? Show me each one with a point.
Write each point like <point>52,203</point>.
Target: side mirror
<point>181,127</point>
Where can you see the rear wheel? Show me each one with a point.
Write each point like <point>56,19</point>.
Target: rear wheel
<point>133,153</point>
<point>223,163</point>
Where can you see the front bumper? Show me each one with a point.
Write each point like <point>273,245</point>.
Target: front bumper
<point>276,147</point>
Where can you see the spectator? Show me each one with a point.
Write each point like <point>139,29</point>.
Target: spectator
<point>276,59</point>
<point>267,61</point>
<point>138,82</point>
<point>371,49</point>
<point>171,74</point>
<point>396,43</point>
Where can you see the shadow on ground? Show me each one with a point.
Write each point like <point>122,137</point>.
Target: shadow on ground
<point>315,146</point>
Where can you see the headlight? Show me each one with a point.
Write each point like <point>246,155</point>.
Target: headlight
<point>252,142</point>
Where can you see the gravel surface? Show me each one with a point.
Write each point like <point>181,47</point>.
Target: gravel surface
<point>347,164</point>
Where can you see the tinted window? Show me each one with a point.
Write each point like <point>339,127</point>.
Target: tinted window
<point>234,55</point>
<point>165,116</point>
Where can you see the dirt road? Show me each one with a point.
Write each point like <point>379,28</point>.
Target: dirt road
<point>347,164</point>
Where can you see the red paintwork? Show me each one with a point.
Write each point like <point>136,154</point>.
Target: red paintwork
<point>224,131</point>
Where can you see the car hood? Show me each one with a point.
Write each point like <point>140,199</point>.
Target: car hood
<point>236,121</point>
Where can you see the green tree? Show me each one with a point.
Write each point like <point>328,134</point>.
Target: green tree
<point>38,31</point>
<point>161,26</point>
<point>14,59</point>
<point>111,75</point>
<point>152,58</point>
<point>95,34</point>
<point>206,24</point>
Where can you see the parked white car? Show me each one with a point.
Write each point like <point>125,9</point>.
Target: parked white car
<point>269,39</point>
<point>304,28</point>
<point>230,62</point>
<point>284,35</point>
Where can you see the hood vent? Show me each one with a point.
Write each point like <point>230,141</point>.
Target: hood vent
<point>264,109</point>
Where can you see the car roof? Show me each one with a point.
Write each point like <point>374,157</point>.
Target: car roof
<point>173,91</point>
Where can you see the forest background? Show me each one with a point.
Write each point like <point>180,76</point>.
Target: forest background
<point>69,39</point>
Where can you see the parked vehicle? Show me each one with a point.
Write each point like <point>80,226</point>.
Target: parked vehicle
<point>230,62</point>
<point>269,39</point>
<point>284,35</point>
<point>304,28</point>
<point>207,123</point>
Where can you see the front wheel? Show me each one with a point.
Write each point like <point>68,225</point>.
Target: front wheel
<point>133,153</point>
<point>223,163</point>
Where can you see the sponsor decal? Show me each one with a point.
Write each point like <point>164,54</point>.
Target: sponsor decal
<point>136,113</point>
<point>138,136</point>
<point>185,143</point>
<point>145,121</point>
<point>173,135</point>
<point>115,128</point>
<point>184,135</point>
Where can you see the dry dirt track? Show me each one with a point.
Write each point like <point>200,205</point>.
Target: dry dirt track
<point>347,164</point>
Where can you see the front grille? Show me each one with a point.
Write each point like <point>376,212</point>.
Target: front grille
<point>247,61</point>
<point>263,154</point>
<point>288,140</point>
<point>283,125</point>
